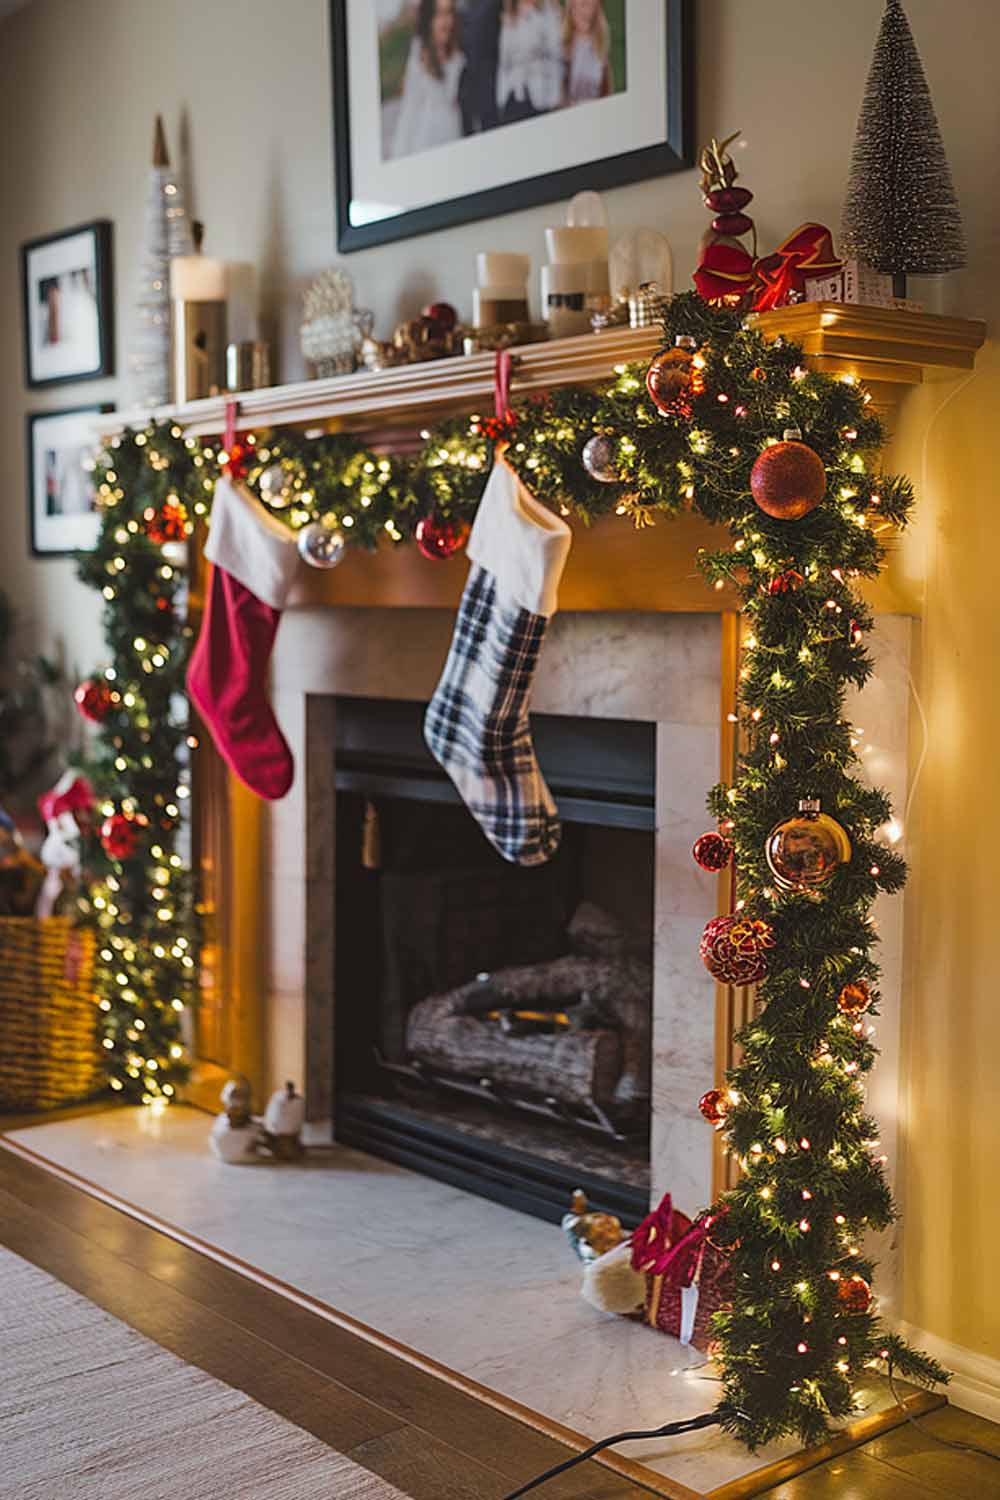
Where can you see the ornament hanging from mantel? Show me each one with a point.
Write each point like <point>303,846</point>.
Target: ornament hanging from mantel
<point>166,235</point>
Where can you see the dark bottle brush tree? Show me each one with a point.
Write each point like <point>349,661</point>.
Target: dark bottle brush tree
<point>901,214</point>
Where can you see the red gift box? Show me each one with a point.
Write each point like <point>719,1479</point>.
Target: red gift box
<point>681,1267</point>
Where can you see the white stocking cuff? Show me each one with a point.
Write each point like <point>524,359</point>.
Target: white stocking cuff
<point>250,544</point>
<point>520,541</point>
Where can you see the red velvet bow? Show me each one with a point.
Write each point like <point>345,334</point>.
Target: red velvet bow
<point>77,797</point>
<point>725,273</point>
<point>806,253</point>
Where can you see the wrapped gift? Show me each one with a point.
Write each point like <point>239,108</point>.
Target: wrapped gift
<point>853,283</point>
<point>687,1278</point>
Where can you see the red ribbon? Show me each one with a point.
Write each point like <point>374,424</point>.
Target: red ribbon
<point>806,253</point>
<point>500,427</point>
<point>236,462</point>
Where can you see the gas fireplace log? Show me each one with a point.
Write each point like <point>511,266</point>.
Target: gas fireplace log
<point>577,1068</point>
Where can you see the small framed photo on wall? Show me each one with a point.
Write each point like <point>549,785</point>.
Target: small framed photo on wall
<point>62,500</point>
<point>451,110</point>
<point>68,305</point>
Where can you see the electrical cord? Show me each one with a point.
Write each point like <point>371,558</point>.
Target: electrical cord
<point>670,1429</point>
<point>945,1442</point>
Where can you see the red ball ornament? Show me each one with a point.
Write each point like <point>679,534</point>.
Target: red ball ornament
<point>675,377</point>
<point>854,1296</point>
<point>119,836</point>
<point>168,524</point>
<point>854,999</point>
<point>788,479</point>
<point>93,700</point>
<point>714,1106</point>
<point>442,315</point>
<point>733,948</point>
<point>713,851</point>
<point>439,538</point>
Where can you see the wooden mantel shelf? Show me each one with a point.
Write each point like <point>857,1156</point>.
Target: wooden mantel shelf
<point>608,568</point>
<point>884,348</point>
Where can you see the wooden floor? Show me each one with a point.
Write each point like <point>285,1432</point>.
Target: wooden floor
<point>432,1441</point>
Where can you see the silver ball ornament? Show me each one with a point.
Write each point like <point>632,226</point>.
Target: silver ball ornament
<point>275,487</point>
<point>321,546</point>
<point>599,459</point>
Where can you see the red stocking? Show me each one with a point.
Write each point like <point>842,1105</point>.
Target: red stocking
<point>255,560</point>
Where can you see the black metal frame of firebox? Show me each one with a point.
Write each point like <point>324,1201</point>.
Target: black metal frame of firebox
<point>393,765</point>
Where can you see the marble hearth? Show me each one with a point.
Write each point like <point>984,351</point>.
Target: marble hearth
<point>665,668</point>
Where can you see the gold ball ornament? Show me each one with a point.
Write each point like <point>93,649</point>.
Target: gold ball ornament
<point>788,479</point>
<point>674,377</point>
<point>806,851</point>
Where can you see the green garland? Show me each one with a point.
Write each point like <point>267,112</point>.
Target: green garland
<point>790,1356</point>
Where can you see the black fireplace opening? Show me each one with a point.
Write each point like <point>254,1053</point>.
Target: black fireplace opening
<point>493,1024</point>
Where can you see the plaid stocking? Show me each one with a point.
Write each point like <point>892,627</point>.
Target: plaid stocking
<point>477,722</point>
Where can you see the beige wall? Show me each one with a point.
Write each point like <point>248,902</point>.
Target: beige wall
<point>80,81</point>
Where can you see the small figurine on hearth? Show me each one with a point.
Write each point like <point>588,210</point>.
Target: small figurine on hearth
<point>283,1121</point>
<point>590,1234</point>
<point>236,1136</point>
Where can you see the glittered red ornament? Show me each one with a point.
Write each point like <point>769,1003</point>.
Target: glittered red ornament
<point>239,458</point>
<point>714,1106</point>
<point>674,377</point>
<point>733,948</point>
<point>498,429</point>
<point>854,1296</point>
<point>119,836</point>
<point>788,479</point>
<point>439,538</point>
<point>168,524</point>
<point>93,699</point>
<point>713,851</point>
<point>854,999</point>
<point>442,314</point>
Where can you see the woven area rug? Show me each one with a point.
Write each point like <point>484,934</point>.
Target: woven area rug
<point>92,1410</point>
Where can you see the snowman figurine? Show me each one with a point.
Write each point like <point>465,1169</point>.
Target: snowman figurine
<point>236,1136</point>
<point>283,1120</point>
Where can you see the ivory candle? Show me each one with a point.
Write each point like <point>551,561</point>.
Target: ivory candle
<point>197,278</point>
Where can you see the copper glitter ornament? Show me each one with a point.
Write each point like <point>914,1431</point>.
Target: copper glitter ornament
<point>788,479</point>
<point>854,999</point>
<point>674,377</point>
<point>804,852</point>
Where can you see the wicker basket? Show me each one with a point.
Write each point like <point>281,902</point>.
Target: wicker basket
<point>49,1050</point>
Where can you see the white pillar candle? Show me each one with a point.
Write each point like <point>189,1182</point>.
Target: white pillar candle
<point>196,278</point>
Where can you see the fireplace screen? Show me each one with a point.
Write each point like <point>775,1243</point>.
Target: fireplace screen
<point>493,1024</point>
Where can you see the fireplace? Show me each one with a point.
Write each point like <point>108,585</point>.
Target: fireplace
<point>493,1025</point>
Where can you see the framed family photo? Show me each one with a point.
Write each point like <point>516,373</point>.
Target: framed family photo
<point>68,305</point>
<point>451,110</point>
<point>62,502</point>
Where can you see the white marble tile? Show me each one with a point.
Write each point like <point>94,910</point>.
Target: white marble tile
<point>687,765</point>
<point>486,1291</point>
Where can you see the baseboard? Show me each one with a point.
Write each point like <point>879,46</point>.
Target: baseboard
<point>975,1378</point>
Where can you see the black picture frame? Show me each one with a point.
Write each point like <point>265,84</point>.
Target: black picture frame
<point>674,154</point>
<point>31,422</point>
<point>104,362</point>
